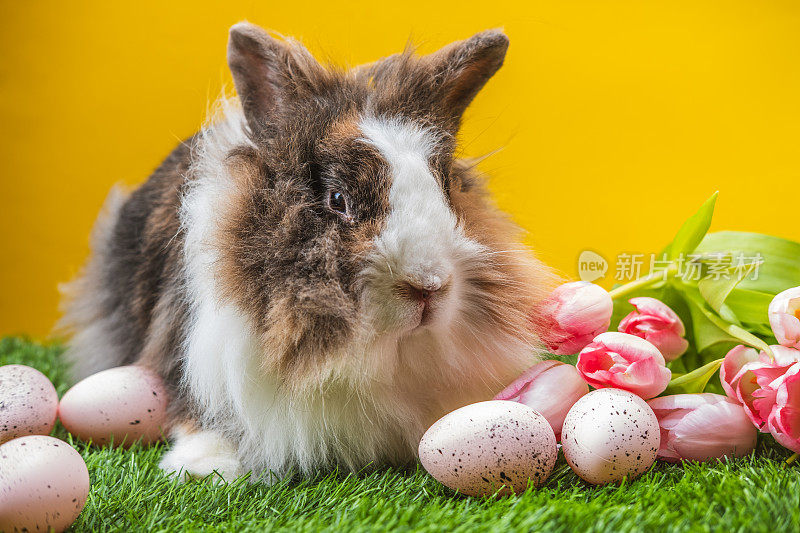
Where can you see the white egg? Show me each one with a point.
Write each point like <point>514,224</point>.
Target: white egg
<point>487,446</point>
<point>125,404</point>
<point>44,484</point>
<point>610,434</point>
<point>28,402</point>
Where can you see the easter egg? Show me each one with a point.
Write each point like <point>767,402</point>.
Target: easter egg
<point>122,404</point>
<point>44,484</point>
<point>28,402</point>
<point>610,434</point>
<point>489,447</point>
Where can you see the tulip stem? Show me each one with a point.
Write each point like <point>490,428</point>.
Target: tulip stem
<point>792,459</point>
<point>641,283</point>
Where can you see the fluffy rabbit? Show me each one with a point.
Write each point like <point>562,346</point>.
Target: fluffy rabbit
<point>314,274</point>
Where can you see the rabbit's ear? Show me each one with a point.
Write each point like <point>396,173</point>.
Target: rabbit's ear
<point>461,69</point>
<point>266,71</point>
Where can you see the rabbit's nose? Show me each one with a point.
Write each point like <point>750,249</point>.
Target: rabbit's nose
<point>420,293</point>
<point>422,290</point>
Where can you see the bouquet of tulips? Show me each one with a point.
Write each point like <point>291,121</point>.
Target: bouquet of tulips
<point>699,313</point>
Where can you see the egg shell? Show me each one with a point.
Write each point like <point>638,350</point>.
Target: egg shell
<point>609,434</point>
<point>487,446</point>
<point>28,402</point>
<point>126,403</point>
<point>44,484</point>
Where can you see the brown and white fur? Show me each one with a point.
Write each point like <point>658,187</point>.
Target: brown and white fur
<point>314,274</point>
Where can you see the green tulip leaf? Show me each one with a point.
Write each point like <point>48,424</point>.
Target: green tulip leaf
<point>706,334</point>
<point>727,314</point>
<point>750,306</point>
<point>711,329</point>
<point>693,230</point>
<point>780,259</point>
<point>693,382</point>
<point>762,330</point>
<point>716,291</point>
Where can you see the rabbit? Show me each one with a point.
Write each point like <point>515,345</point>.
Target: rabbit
<point>315,275</point>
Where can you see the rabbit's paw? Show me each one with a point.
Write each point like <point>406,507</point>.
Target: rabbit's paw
<point>201,453</point>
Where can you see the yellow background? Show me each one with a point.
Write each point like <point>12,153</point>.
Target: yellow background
<point>617,118</point>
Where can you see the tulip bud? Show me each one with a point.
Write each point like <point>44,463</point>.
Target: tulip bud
<point>624,361</point>
<point>784,317</point>
<point>654,321</point>
<point>702,427</point>
<point>574,314</point>
<point>549,387</point>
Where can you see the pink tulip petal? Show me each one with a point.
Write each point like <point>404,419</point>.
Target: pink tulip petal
<point>671,345</point>
<point>764,374</point>
<point>785,439</point>
<point>714,431</point>
<point>579,306</point>
<point>573,315</point>
<point>666,454</point>
<point>516,387</point>
<point>785,328</point>
<point>784,355</point>
<point>745,384</point>
<point>572,344</point>
<point>555,393</point>
<point>549,387</point>
<point>702,427</point>
<point>669,420</point>
<point>684,401</point>
<point>763,404</point>
<point>787,401</point>
<point>733,363</point>
<point>630,347</point>
<point>588,318</point>
<point>645,378</point>
<point>657,308</point>
<point>787,301</point>
<point>784,317</point>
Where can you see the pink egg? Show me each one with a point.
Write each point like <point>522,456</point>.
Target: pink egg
<point>44,484</point>
<point>28,402</point>
<point>610,434</point>
<point>487,446</point>
<point>127,403</point>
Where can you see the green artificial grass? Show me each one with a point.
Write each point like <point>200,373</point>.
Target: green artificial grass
<point>129,493</point>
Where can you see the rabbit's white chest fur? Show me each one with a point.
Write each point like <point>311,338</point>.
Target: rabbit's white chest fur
<point>372,403</point>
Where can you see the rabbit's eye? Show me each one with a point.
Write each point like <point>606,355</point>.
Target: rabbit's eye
<point>337,202</point>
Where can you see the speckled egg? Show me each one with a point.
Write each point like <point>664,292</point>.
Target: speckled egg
<point>44,484</point>
<point>126,403</point>
<point>609,434</point>
<point>487,446</point>
<point>28,402</point>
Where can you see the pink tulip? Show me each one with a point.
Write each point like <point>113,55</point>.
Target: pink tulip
<point>574,314</point>
<point>624,361</point>
<point>702,427</point>
<point>549,387</point>
<point>745,371</point>
<point>784,317</point>
<point>654,321</point>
